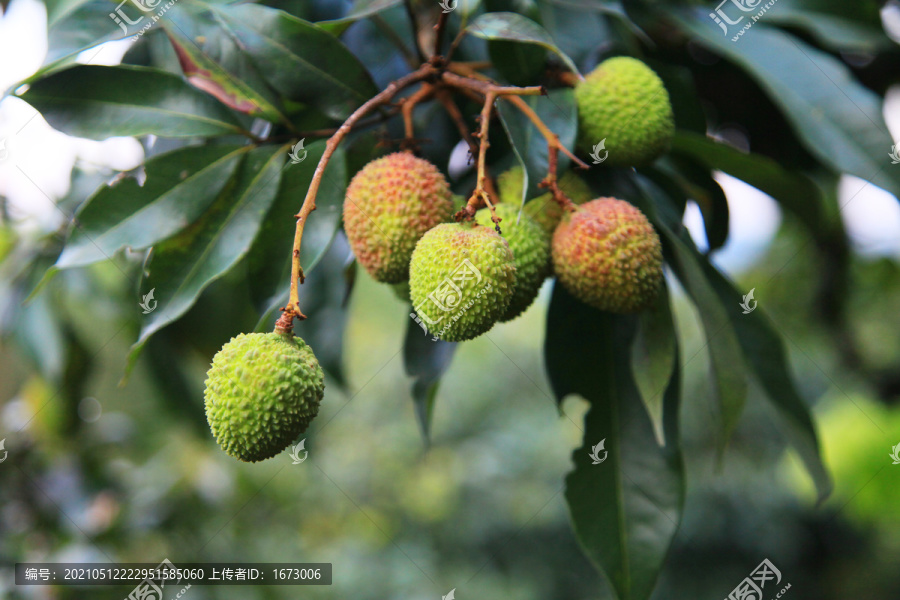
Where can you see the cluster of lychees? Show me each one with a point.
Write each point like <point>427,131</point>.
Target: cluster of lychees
<point>464,277</point>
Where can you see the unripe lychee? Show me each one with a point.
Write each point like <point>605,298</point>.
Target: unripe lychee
<point>531,254</point>
<point>461,280</point>
<point>607,255</point>
<point>262,391</point>
<point>543,209</point>
<point>624,102</point>
<point>390,203</point>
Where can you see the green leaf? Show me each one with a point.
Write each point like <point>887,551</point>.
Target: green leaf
<point>516,28</point>
<point>100,102</point>
<point>299,59</point>
<point>794,191</point>
<point>558,110</point>
<point>838,119</point>
<point>832,31</point>
<point>626,509</point>
<point>653,359</point>
<point>764,352</point>
<point>726,360</point>
<point>519,64</point>
<point>361,9</point>
<point>270,258</point>
<point>697,183</point>
<point>425,361</point>
<point>179,186</point>
<point>181,267</point>
<point>208,76</point>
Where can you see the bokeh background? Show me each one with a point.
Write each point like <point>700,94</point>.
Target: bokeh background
<point>101,469</point>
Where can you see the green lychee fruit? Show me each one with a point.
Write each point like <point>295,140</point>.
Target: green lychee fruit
<point>461,280</point>
<point>531,254</point>
<point>608,255</point>
<point>262,391</point>
<point>543,209</point>
<point>624,102</point>
<point>390,204</point>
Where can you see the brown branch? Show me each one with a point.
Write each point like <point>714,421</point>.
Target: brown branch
<point>480,196</point>
<point>409,104</point>
<point>292,310</point>
<point>439,33</point>
<point>484,87</point>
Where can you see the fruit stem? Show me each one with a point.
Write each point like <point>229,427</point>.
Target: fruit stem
<point>408,105</point>
<point>552,138</point>
<point>480,193</point>
<point>552,182</point>
<point>292,310</point>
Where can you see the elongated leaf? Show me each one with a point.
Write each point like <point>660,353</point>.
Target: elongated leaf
<point>180,185</point>
<point>558,110</point>
<point>697,183</point>
<point>514,27</point>
<point>764,352</point>
<point>626,509</point>
<point>425,361</point>
<point>299,59</point>
<point>838,119</point>
<point>101,102</point>
<point>361,9</point>
<point>207,75</point>
<point>832,31</point>
<point>183,266</point>
<point>726,359</point>
<point>794,191</point>
<point>653,359</point>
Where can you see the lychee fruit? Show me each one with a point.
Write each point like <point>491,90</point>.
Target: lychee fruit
<point>531,254</point>
<point>624,102</point>
<point>543,209</point>
<point>262,391</point>
<point>461,280</point>
<point>608,255</point>
<point>390,204</point>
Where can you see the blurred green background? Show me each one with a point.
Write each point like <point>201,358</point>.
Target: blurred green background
<point>100,472</point>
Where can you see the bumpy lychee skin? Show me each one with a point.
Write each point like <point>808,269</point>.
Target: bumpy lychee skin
<point>461,280</point>
<point>543,209</point>
<point>608,256</point>
<point>624,102</point>
<point>531,254</point>
<point>262,391</point>
<point>390,204</point>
